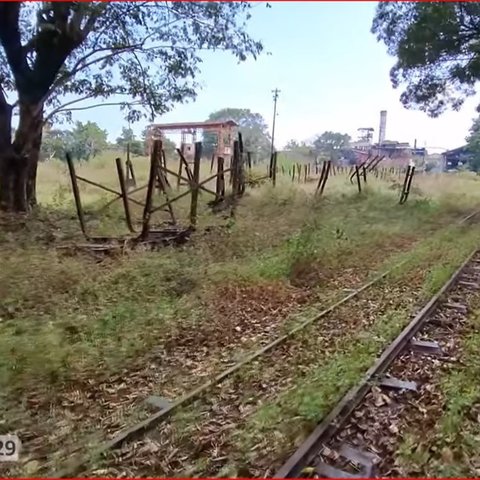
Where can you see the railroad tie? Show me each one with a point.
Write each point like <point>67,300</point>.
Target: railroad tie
<point>426,347</point>
<point>396,383</point>
<point>468,284</point>
<point>456,306</point>
<point>327,471</point>
<point>360,457</point>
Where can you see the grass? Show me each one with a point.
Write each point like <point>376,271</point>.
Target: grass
<point>68,301</point>
<point>67,321</point>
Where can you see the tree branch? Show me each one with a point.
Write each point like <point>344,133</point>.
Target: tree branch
<point>88,107</point>
<point>63,107</point>
<point>77,68</point>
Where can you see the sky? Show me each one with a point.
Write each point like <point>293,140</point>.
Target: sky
<point>332,75</point>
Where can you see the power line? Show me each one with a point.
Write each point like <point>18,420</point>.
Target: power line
<point>275,97</point>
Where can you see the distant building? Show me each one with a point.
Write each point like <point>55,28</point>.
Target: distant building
<point>456,158</point>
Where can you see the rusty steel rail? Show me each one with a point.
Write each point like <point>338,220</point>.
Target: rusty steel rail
<point>332,423</point>
<point>75,464</point>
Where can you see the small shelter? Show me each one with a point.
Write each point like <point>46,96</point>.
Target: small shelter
<point>224,131</point>
<point>456,158</point>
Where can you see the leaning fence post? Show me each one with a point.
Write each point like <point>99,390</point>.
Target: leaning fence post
<point>407,184</point>
<point>241,166</point>
<point>234,167</point>
<point>196,181</point>
<point>123,189</point>
<point>76,194</point>
<point>327,172</point>
<point>180,167</point>
<point>157,144</point>
<point>220,184</point>
<point>357,174</point>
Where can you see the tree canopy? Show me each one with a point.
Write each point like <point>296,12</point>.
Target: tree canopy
<point>84,141</point>
<point>301,148</point>
<point>437,47</point>
<point>55,143</point>
<point>254,129</point>
<point>473,144</point>
<point>329,143</point>
<point>127,137</point>
<point>87,140</point>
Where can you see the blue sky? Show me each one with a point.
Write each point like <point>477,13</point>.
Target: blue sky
<point>332,73</point>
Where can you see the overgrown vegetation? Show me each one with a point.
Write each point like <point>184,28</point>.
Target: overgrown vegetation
<point>70,324</point>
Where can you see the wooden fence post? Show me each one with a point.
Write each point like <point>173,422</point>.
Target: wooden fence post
<point>195,181</point>
<point>76,195</point>
<point>220,184</point>
<point>124,191</point>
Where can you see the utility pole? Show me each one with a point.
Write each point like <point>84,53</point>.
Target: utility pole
<point>275,97</point>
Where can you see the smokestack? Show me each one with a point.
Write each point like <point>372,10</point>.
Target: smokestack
<point>383,126</point>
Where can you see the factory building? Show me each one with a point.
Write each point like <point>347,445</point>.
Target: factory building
<point>395,153</point>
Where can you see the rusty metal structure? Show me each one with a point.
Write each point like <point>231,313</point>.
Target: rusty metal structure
<point>224,131</point>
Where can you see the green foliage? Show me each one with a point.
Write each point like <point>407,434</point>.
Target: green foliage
<point>436,46</point>
<point>330,143</point>
<point>55,143</point>
<point>301,148</point>
<point>473,143</point>
<point>127,137</point>
<point>86,140</point>
<point>253,127</point>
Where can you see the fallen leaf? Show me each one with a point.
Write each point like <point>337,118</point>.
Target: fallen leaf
<point>393,428</point>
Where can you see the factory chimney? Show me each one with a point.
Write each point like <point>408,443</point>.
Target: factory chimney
<point>383,125</point>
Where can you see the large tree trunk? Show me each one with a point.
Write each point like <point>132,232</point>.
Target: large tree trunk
<point>6,154</point>
<point>18,163</point>
<point>32,173</point>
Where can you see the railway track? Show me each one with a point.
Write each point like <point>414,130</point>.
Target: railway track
<point>344,444</point>
<point>76,464</point>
